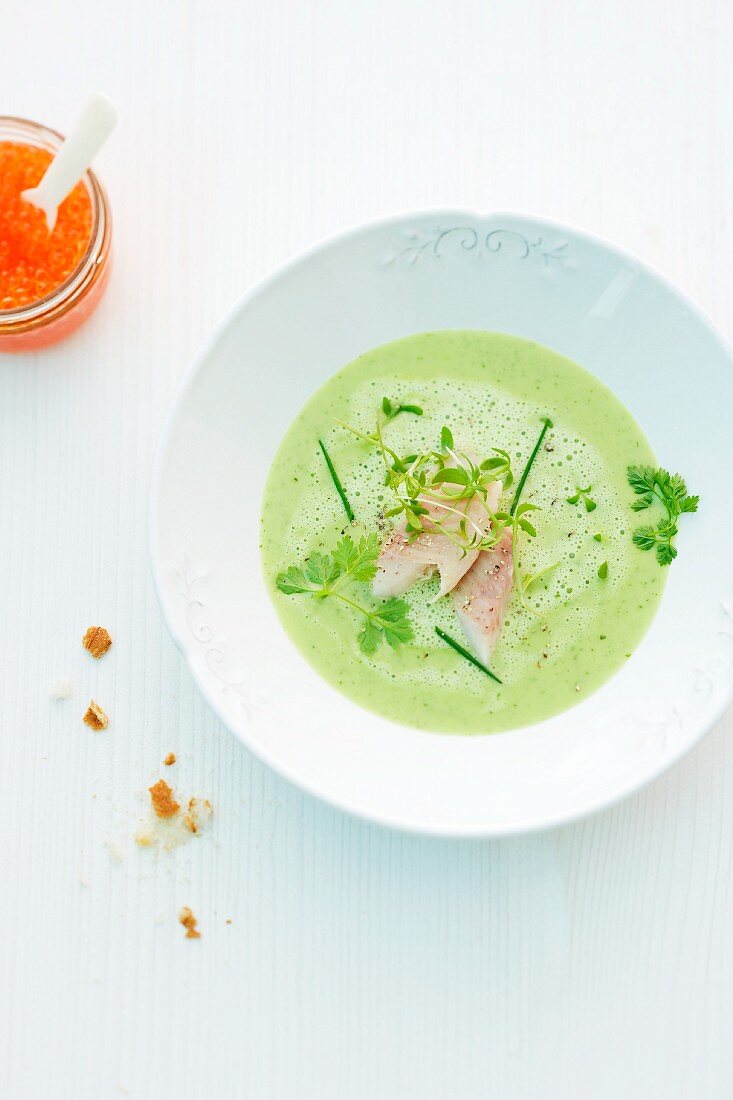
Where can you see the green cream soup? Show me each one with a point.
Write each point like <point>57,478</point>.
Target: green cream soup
<point>491,390</point>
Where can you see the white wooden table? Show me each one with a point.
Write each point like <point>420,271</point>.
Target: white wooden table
<point>594,962</point>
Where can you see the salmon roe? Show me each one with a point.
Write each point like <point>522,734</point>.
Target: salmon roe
<point>34,262</point>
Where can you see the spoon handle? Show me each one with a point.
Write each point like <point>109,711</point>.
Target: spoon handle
<point>97,119</point>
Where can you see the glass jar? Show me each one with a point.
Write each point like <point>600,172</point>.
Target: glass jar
<point>52,318</point>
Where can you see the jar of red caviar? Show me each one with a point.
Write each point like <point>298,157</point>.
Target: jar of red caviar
<point>49,282</point>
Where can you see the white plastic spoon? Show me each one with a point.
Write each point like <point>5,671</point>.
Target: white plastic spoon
<point>93,127</point>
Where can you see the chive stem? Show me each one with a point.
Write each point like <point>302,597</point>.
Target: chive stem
<point>336,481</point>
<point>464,653</point>
<point>547,423</point>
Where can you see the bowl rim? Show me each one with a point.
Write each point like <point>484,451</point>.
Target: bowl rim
<point>417,828</point>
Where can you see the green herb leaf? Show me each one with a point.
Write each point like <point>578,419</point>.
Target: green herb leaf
<point>392,409</point>
<point>293,581</point>
<point>675,487</point>
<point>498,468</point>
<point>666,553</point>
<point>392,619</point>
<point>326,575</point>
<point>370,637</point>
<point>644,537</point>
<point>583,494</point>
<point>320,570</point>
<point>454,475</point>
<point>357,560</point>
<point>388,623</point>
<point>670,491</point>
<point>603,570</point>
<point>641,479</point>
<point>446,439</point>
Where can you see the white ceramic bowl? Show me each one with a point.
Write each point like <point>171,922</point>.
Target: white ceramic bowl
<point>439,270</point>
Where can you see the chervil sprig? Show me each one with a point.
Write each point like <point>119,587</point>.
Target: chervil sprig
<point>326,575</point>
<point>659,486</point>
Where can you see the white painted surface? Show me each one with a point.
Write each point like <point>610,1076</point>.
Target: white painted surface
<point>591,962</point>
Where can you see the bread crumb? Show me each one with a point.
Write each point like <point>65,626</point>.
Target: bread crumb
<point>170,759</point>
<point>189,922</point>
<point>60,689</point>
<point>162,799</point>
<point>228,920</point>
<point>198,813</point>
<point>115,852</point>
<point>175,825</point>
<point>97,641</point>
<point>95,717</point>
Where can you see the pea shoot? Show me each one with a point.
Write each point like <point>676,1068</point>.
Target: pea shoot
<point>436,490</point>
<point>391,409</point>
<point>584,496</point>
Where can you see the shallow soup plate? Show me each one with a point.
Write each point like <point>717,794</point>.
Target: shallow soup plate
<point>419,272</point>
